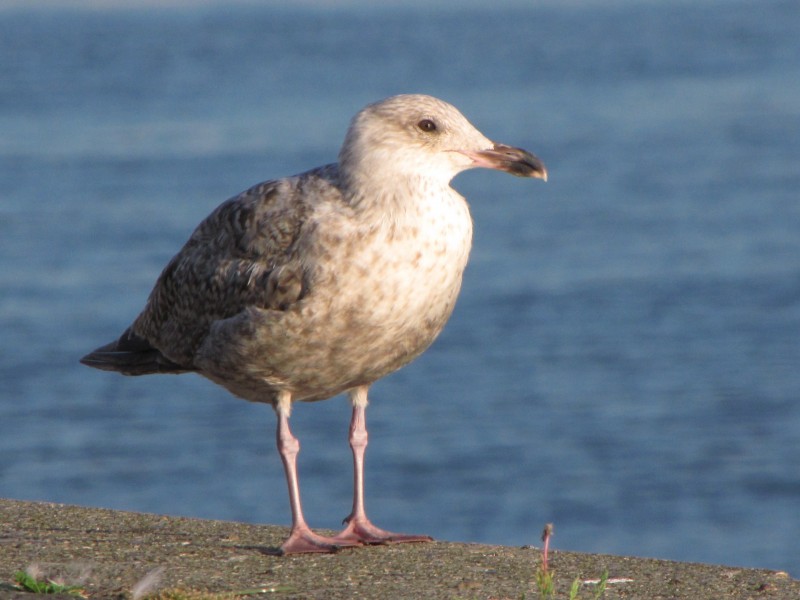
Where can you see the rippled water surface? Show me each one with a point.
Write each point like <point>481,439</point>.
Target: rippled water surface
<point>624,360</point>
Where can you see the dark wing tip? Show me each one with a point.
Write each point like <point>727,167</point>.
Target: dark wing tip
<point>132,355</point>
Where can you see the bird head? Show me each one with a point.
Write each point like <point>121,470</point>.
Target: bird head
<point>419,136</point>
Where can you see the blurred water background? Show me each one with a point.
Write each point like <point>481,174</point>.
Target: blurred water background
<point>624,360</point>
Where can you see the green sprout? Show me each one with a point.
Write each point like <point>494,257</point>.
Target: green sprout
<point>28,582</point>
<point>545,577</point>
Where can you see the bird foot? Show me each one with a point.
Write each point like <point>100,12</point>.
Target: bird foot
<point>305,541</point>
<point>363,531</point>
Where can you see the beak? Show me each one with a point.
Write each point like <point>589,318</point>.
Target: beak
<point>512,160</point>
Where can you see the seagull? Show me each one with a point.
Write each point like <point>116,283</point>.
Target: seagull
<point>302,288</point>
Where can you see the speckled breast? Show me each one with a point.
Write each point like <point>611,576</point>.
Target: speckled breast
<point>378,297</point>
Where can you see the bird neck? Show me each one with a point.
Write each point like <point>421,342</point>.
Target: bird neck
<point>387,189</point>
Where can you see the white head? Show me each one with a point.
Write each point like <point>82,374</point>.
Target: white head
<point>421,137</point>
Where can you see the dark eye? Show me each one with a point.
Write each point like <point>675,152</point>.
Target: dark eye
<point>427,125</point>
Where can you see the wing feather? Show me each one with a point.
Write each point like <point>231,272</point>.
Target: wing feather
<point>241,255</point>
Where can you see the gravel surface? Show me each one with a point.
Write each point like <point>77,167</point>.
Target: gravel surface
<point>110,553</point>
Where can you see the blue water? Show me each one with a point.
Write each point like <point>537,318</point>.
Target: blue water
<point>624,360</point>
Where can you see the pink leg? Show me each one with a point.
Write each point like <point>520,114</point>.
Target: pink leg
<point>301,539</point>
<point>359,527</point>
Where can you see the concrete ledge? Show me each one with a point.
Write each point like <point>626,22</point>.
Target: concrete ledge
<point>108,552</point>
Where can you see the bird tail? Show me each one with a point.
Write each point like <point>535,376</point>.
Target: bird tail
<point>132,355</point>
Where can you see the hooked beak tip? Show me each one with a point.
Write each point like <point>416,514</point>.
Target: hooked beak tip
<point>512,160</point>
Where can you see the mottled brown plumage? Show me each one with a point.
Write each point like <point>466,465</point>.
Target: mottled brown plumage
<point>305,287</point>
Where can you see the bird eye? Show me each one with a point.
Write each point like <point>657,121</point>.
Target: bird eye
<point>427,125</point>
